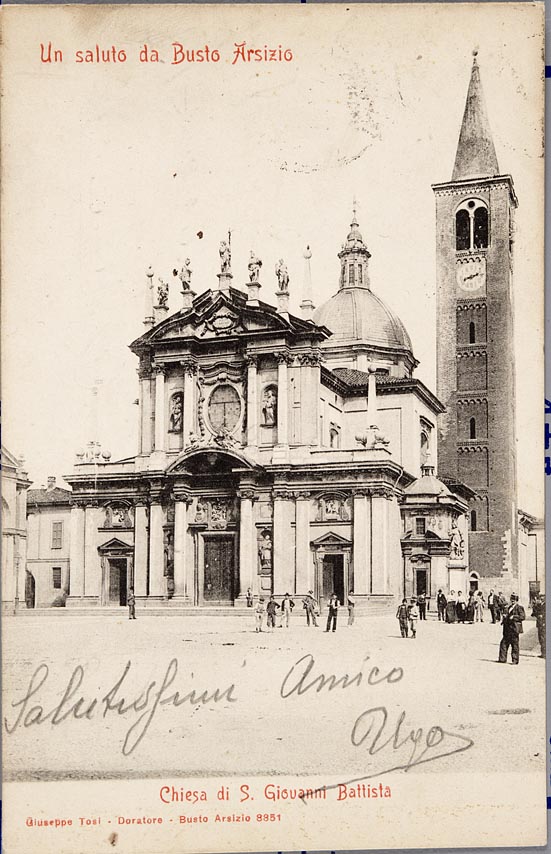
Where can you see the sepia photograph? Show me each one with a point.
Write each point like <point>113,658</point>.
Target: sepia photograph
<point>272,291</point>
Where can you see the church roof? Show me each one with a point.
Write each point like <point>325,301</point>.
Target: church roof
<point>43,497</point>
<point>351,381</point>
<point>428,485</point>
<point>476,155</point>
<point>356,314</point>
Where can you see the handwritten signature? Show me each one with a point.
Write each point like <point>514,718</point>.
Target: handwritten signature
<point>155,695</point>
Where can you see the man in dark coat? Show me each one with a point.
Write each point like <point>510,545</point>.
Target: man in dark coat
<point>131,602</point>
<point>441,603</point>
<point>538,611</point>
<point>422,605</point>
<point>493,606</point>
<point>333,606</point>
<point>513,617</point>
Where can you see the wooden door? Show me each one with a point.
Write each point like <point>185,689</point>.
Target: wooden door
<point>218,575</point>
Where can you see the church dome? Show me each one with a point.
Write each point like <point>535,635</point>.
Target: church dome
<point>357,314</point>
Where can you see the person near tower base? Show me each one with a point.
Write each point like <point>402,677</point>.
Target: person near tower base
<point>441,603</point>
<point>513,617</point>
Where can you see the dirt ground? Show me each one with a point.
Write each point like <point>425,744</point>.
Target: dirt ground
<point>439,702</point>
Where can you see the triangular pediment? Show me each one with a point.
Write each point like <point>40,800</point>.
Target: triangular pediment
<point>225,314</point>
<point>115,545</point>
<point>331,539</point>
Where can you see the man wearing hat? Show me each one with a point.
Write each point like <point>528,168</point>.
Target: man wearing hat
<point>513,616</point>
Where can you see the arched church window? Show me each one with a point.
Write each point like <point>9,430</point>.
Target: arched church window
<point>481,228</point>
<point>472,332</point>
<point>473,520</point>
<point>224,408</point>
<point>471,226</point>
<point>472,428</point>
<point>351,274</point>
<point>334,436</point>
<point>462,230</point>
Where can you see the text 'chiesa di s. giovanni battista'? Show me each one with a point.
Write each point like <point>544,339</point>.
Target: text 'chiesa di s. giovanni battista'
<point>283,454</point>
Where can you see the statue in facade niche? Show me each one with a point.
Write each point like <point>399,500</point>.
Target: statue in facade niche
<point>265,553</point>
<point>269,407</point>
<point>162,294</point>
<point>185,275</point>
<point>175,418</point>
<point>254,268</point>
<point>282,276</point>
<point>225,257</point>
<point>457,548</point>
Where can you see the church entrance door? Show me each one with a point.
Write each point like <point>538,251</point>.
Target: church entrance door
<point>421,582</point>
<point>333,577</point>
<point>219,569</point>
<point>118,581</point>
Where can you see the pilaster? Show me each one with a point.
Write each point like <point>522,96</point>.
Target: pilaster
<point>247,542</point>
<point>157,585</point>
<point>284,543</point>
<point>92,565</point>
<point>252,405</point>
<point>183,562</point>
<point>140,549</point>
<point>189,368</point>
<point>76,551</point>
<point>304,557</point>
<point>362,543</point>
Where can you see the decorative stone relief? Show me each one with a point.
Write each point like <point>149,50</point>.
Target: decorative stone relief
<point>332,508</point>
<point>117,516</point>
<point>265,552</point>
<point>175,420</point>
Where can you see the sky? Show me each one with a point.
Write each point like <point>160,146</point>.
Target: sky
<point>108,168</point>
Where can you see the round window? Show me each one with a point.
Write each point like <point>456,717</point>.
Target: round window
<point>224,408</point>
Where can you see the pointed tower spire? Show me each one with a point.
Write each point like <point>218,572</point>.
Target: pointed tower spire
<point>476,155</point>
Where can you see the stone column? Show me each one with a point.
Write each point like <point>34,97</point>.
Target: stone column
<point>92,564</point>
<point>310,382</point>
<point>182,559</point>
<point>252,404</point>
<point>157,584</point>
<point>190,369</point>
<point>362,543</point>
<point>304,557</point>
<point>140,550</point>
<point>247,544</point>
<point>282,400</point>
<point>380,558</point>
<point>159,408</point>
<point>145,411</point>
<point>76,552</point>
<point>283,543</point>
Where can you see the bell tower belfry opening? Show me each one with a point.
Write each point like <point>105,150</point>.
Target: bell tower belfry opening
<point>475,353</point>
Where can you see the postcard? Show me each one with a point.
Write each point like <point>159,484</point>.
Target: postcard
<point>272,320</point>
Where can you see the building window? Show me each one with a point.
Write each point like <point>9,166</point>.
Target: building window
<point>473,520</point>
<point>425,447</point>
<point>472,333</point>
<point>360,274</point>
<point>420,526</point>
<point>351,274</point>
<point>471,226</point>
<point>57,535</point>
<point>224,408</point>
<point>472,428</point>
<point>335,436</point>
<point>56,577</point>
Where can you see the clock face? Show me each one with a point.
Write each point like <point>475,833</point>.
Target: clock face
<point>471,274</point>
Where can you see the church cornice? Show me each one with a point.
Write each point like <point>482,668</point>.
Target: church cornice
<point>456,188</point>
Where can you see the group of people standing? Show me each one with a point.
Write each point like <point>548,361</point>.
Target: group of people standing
<point>311,607</point>
<point>458,609</point>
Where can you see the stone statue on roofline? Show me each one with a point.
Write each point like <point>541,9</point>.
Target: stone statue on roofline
<point>254,268</point>
<point>282,276</point>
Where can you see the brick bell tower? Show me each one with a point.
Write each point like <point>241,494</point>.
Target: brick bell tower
<point>475,353</point>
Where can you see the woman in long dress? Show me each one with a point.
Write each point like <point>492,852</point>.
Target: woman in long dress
<point>451,615</point>
<point>470,609</point>
<point>461,608</point>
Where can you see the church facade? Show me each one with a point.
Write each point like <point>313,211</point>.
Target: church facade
<point>287,454</point>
